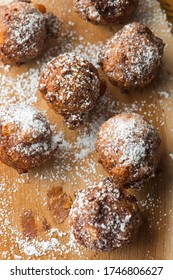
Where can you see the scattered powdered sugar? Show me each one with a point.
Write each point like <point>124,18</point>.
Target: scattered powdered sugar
<point>91,52</point>
<point>23,85</point>
<point>40,248</point>
<point>164,94</point>
<point>5,2</point>
<point>85,142</point>
<point>171,155</point>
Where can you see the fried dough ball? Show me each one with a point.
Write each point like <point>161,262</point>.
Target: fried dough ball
<point>26,139</point>
<point>71,86</point>
<point>104,217</point>
<point>129,149</point>
<point>131,58</point>
<point>24,29</point>
<point>106,11</point>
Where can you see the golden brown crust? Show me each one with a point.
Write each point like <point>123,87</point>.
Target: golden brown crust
<point>131,58</point>
<point>71,86</point>
<point>104,217</point>
<point>24,31</point>
<point>129,149</point>
<point>106,11</point>
<point>25,138</point>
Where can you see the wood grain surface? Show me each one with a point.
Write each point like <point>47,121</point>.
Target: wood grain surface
<point>29,227</point>
<point>168,6</point>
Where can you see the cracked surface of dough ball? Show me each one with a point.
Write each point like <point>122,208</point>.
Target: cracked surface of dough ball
<point>129,149</point>
<point>24,29</point>
<point>106,11</point>
<point>104,217</point>
<point>131,58</point>
<point>26,139</point>
<point>71,86</point>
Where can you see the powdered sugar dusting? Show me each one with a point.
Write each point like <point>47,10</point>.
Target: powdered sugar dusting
<point>27,118</point>
<point>132,56</point>
<point>99,12</point>
<point>73,102</point>
<point>97,219</point>
<point>28,130</point>
<point>125,132</point>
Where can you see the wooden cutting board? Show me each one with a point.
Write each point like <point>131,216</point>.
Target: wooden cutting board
<point>28,225</point>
